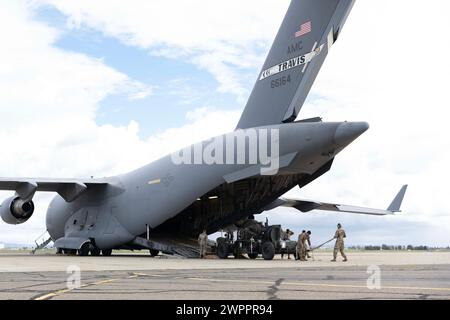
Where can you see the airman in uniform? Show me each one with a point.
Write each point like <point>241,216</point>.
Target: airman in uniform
<point>286,236</point>
<point>339,246</point>
<point>304,240</point>
<point>308,248</point>
<point>202,241</point>
<point>298,249</point>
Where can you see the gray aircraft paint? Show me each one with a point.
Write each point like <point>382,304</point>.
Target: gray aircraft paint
<point>113,212</point>
<point>269,105</point>
<point>144,202</point>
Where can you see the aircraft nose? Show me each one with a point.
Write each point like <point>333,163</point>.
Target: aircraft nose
<point>346,132</point>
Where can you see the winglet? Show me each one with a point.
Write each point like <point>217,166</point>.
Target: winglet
<point>397,202</point>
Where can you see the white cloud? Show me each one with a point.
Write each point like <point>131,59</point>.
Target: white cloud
<point>140,91</point>
<point>48,103</point>
<point>389,67</point>
<point>223,38</point>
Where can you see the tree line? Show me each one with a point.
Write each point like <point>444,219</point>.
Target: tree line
<point>398,247</point>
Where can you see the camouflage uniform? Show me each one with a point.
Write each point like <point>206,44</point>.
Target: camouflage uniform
<point>302,242</point>
<point>202,241</point>
<point>308,239</point>
<point>299,246</point>
<point>339,246</point>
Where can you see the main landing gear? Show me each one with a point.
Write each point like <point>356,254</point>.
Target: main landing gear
<point>85,250</point>
<point>153,252</point>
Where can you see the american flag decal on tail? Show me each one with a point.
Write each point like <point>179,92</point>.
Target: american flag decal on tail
<point>304,29</point>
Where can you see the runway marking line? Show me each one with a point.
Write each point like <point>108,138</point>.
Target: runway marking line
<point>63,291</point>
<point>137,275</point>
<point>321,284</point>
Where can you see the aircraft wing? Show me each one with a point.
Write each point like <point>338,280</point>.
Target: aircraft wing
<point>69,189</point>
<point>307,206</point>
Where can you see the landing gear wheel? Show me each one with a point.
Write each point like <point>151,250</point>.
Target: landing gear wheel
<point>222,250</point>
<point>253,255</point>
<point>106,252</point>
<point>268,250</point>
<point>95,252</point>
<point>84,250</point>
<point>59,251</point>
<point>153,252</point>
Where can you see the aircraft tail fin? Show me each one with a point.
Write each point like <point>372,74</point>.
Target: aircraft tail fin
<point>308,30</point>
<point>397,202</point>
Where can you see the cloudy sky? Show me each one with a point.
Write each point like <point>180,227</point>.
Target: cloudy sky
<point>97,88</point>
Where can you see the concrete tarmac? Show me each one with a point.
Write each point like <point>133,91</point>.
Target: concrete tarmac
<point>377,275</point>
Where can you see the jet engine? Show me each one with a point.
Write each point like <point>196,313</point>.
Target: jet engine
<point>16,210</point>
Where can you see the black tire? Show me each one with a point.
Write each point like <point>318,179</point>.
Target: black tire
<point>59,251</point>
<point>222,250</point>
<point>274,234</point>
<point>237,254</point>
<point>106,252</point>
<point>253,255</point>
<point>95,252</point>
<point>268,250</point>
<point>84,250</point>
<point>221,239</point>
<point>153,252</point>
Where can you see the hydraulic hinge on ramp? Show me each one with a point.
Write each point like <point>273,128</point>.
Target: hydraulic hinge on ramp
<point>153,245</point>
<point>175,249</point>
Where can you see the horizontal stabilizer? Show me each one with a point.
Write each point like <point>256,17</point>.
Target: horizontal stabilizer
<point>307,206</point>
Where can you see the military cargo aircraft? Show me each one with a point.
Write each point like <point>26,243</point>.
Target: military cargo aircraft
<point>216,183</point>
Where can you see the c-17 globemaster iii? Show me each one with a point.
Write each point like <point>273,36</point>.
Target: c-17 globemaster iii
<point>218,183</point>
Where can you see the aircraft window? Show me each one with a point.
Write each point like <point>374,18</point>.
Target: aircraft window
<point>75,221</point>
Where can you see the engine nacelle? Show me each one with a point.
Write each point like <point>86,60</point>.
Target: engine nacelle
<point>15,210</point>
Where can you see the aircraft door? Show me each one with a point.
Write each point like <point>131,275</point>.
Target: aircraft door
<point>91,220</point>
<point>111,222</point>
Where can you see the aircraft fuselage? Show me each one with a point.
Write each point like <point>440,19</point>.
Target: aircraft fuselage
<point>152,196</point>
